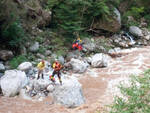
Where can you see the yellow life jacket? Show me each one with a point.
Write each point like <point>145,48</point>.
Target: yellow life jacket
<point>41,66</point>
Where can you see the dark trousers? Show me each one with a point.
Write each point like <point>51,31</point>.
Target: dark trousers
<point>40,72</point>
<point>58,74</point>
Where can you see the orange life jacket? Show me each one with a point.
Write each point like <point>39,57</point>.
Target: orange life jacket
<point>57,66</point>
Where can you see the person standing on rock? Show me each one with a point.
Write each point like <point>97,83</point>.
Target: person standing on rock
<point>77,44</point>
<point>41,67</point>
<point>57,67</point>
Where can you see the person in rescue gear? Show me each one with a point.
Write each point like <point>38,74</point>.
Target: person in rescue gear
<point>77,44</point>
<point>41,67</point>
<point>57,67</point>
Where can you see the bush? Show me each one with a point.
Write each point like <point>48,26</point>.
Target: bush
<point>16,61</point>
<point>13,35</point>
<point>71,16</point>
<point>138,96</point>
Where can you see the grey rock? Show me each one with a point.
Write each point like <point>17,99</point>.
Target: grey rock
<point>88,59</point>
<point>74,54</point>
<point>48,52</point>
<point>69,93</point>
<point>25,66</point>
<point>61,59</point>
<point>136,31</point>
<point>6,54</point>
<point>147,37</point>
<point>78,66</point>
<point>34,47</point>
<point>40,56</point>
<point>2,68</point>
<point>40,84</point>
<point>50,88</point>
<point>99,60</point>
<point>12,82</point>
<point>145,31</point>
<point>88,46</point>
<point>1,74</point>
<point>115,50</point>
<point>24,95</point>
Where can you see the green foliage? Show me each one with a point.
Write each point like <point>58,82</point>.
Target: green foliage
<point>100,9</point>
<point>68,16</point>
<point>147,18</point>
<point>42,50</point>
<point>71,16</point>
<point>13,35</point>
<point>138,96</point>
<point>17,60</point>
<point>135,12</point>
<point>39,39</point>
<point>51,4</point>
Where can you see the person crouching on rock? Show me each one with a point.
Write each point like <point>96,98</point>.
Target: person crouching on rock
<point>41,67</point>
<point>57,67</point>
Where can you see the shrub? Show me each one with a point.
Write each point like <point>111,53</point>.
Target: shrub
<point>17,60</point>
<point>13,35</point>
<point>138,96</point>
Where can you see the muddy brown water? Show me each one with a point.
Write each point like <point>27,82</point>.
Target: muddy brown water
<point>99,86</point>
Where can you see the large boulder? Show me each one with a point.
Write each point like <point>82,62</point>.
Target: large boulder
<point>78,66</point>
<point>136,31</point>
<point>112,23</point>
<point>99,60</point>
<point>12,82</point>
<point>69,93</point>
<point>6,54</point>
<point>25,66</point>
<point>34,47</point>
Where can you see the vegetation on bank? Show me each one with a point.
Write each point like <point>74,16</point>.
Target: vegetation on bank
<point>138,96</point>
<point>70,18</point>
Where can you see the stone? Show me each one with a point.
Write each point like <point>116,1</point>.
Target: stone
<point>74,54</point>
<point>34,47</point>
<point>78,66</point>
<point>99,60</point>
<point>2,68</point>
<point>1,74</point>
<point>24,95</point>
<point>88,59</point>
<point>12,82</point>
<point>88,45</point>
<point>61,59</point>
<point>40,84</point>
<point>136,31</point>
<point>50,88</point>
<point>6,54</point>
<point>147,37</point>
<point>40,56</point>
<point>48,52</point>
<point>69,93</point>
<point>145,31</point>
<point>25,66</point>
